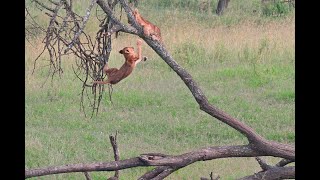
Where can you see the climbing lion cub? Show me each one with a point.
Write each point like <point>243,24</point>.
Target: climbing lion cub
<point>149,29</point>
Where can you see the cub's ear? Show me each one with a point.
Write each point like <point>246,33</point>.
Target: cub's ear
<point>121,51</point>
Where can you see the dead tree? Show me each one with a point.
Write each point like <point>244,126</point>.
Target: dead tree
<point>164,164</point>
<point>222,5</point>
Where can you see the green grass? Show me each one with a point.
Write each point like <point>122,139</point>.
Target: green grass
<point>245,67</point>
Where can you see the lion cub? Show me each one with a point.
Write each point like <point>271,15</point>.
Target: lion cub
<point>131,60</point>
<point>149,29</point>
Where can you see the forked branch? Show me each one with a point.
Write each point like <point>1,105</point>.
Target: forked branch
<point>272,172</point>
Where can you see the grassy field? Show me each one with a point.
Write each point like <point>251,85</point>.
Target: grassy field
<point>243,61</point>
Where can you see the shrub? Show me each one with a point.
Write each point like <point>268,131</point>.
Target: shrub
<point>190,53</point>
<point>276,8</point>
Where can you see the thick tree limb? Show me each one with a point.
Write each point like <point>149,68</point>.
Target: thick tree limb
<point>167,164</point>
<point>105,7</point>
<point>199,95</point>
<point>256,141</point>
<point>171,161</point>
<point>131,18</point>
<point>81,167</point>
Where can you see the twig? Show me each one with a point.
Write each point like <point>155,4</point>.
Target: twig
<point>82,27</point>
<point>110,92</point>
<point>113,140</point>
<point>33,23</point>
<point>53,2</point>
<point>87,175</point>
<point>211,177</point>
<point>264,166</point>
<point>44,6</point>
<point>284,162</point>
<point>131,18</point>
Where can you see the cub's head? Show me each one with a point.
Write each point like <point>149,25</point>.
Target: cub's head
<point>128,52</point>
<point>135,12</point>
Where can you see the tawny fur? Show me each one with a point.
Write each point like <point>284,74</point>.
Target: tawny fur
<point>149,29</point>
<point>131,60</point>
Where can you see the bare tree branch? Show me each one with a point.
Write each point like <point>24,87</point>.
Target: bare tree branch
<point>87,175</point>
<point>44,6</point>
<point>153,173</point>
<point>284,162</point>
<point>143,160</point>
<point>53,2</point>
<point>85,19</point>
<point>48,38</point>
<point>33,23</point>
<point>130,16</point>
<point>113,140</point>
<point>128,29</point>
<point>272,174</point>
<point>211,177</point>
<point>264,166</point>
<point>101,166</point>
<point>166,172</point>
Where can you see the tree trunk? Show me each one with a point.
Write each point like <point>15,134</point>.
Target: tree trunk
<point>222,5</point>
